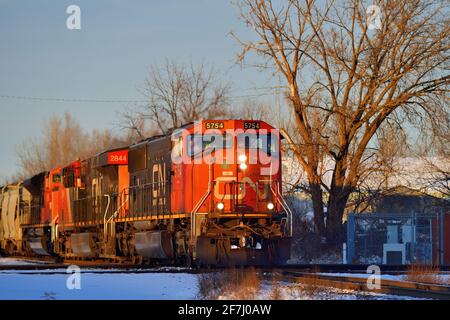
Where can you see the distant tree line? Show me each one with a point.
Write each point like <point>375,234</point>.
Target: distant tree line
<point>62,141</point>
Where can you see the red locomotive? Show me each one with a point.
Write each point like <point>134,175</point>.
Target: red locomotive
<point>209,193</point>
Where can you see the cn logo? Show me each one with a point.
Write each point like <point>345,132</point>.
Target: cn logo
<point>74,280</point>
<point>73,22</point>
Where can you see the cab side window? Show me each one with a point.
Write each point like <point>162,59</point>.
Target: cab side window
<point>56,178</point>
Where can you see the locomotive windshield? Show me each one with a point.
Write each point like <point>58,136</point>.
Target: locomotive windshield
<point>208,142</point>
<point>265,142</point>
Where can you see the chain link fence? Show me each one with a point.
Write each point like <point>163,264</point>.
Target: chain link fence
<point>396,239</point>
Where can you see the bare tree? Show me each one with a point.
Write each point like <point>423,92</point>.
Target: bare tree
<point>59,144</point>
<point>380,174</point>
<point>5,180</point>
<point>62,141</point>
<point>254,109</point>
<point>31,158</point>
<point>434,152</point>
<point>101,140</point>
<point>440,180</point>
<point>133,124</point>
<point>176,94</point>
<point>346,80</point>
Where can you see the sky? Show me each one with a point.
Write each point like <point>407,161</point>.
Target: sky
<point>107,59</point>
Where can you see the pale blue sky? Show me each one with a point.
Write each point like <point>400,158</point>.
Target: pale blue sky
<point>107,59</point>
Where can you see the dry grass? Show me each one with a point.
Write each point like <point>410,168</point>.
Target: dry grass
<point>425,274</point>
<point>305,288</point>
<point>276,292</point>
<point>210,286</point>
<point>311,286</point>
<point>235,284</point>
<point>246,284</point>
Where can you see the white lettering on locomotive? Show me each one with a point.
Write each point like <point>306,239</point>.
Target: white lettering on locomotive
<point>159,185</point>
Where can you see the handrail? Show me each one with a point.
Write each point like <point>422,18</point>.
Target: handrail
<point>280,198</point>
<point>199,204</point>
<point>107,221</point>
<point>114,215</point>
<point>123,204</point>
<point>286,208</point>
<point>104,217</point>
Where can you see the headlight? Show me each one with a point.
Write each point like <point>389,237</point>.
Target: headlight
<point>243,166</point>
<point>242,158</point>
<point>270,206</point>
<point>220,206</point>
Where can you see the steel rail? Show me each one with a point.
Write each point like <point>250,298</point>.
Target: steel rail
<point>53,263</point>
<point>392,287</point>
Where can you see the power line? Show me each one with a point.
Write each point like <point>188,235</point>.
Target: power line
<point>274,88</point>
<point>120,101</point>
<point>76,100</point>
<point>254,95</point>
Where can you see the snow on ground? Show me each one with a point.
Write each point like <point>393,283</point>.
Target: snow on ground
<point>445,278</point>
<point>295,292</point>
<point>150,286</point>
<point>19,262</point>
<point>289,291</point>
<point>97,286</point>
<point>331,258</point>
<point>364,276</point>
<point>120,285</point>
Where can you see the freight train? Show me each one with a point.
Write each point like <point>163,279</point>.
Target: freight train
<point>208,193</point>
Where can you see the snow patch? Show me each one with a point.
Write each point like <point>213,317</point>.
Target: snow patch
<point>20,262</point>
<point>105,286</point>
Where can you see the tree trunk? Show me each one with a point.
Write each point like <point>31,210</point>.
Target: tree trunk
<point>317,200</point>
<point>336,206</point>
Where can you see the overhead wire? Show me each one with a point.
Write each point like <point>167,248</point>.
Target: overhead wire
<point>126,100</point>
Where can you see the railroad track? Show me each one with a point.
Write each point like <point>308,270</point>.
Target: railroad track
<point>39,266</point>
<point>391,287</point>
<point>52,264</point>
<point>87,265</point>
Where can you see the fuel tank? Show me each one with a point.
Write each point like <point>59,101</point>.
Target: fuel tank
<point>154,245</point>
<point>39,246</point>
<point>84,245</point>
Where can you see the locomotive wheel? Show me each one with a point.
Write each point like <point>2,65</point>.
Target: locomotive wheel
<point>185,261</point>
<point>137,260</point>
<point>10,249</point>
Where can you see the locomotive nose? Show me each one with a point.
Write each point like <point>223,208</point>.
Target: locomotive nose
<point>241,188</point>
